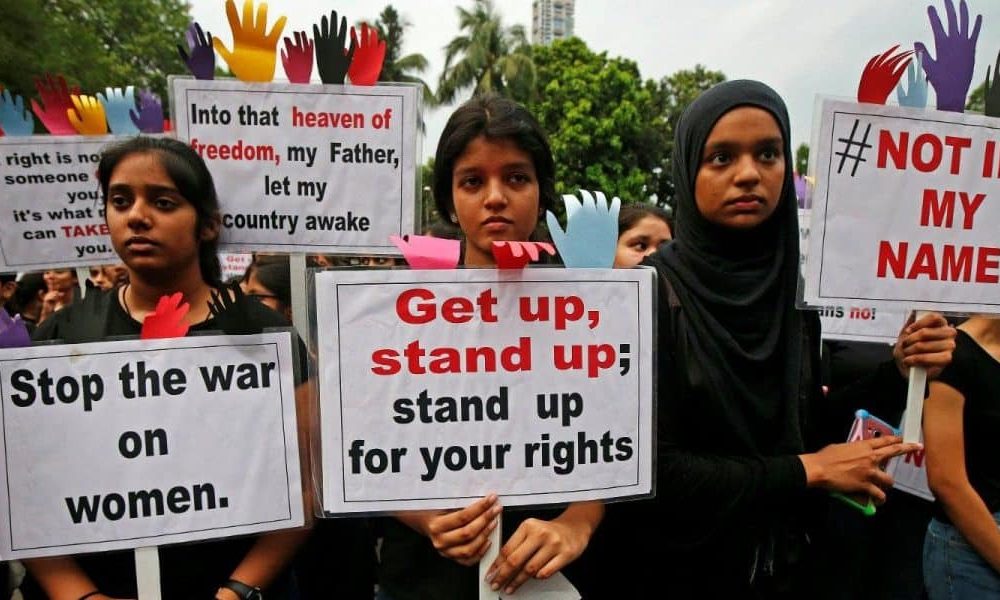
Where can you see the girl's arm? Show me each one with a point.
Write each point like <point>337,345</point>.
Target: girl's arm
<point>61,578</point>
<point>945,442</point>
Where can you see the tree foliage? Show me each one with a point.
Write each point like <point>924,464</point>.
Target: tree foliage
<point>802,159</point>
<point>94,43</point>
<point>487,56</point>
<point>977,99</point>
<point>392,27</point>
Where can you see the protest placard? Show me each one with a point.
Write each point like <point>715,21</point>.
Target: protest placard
<point>116,445</point>
<point>852,322</point>
<point>906,209</point>
<point>52,215</point>
<point>437,387</point>
<point>319,168</point>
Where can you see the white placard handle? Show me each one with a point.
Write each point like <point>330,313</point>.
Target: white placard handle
<point>147,572</point>
<point>485,592</point>
<point>915,399</point>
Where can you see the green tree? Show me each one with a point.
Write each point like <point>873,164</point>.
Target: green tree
<point>94,43</point>
<point>802,159</point>
<point>391,27</point>
<point>488,57</point>
<point>597,113</point>
<point>977,99</point>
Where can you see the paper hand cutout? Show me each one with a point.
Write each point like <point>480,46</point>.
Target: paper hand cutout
<point>13,332</point>
<point>881,75</point>
<point>426,252</point>
<point>201,60</point>
<point>167,321</point>
<point>516,255</point>
<point>333,58</point>
<point>15,119</point>
<point>297,58</point>
<point>87,115</point>
<point>149,119</point>
<point>368,58</point>
<point>117,107</point>
<point>55,102</point>
<point>591,236</point>
<point>254,51</point>
<point>229,308</point>
<point>915,95</point>
<point>993,91</point>
<point>951,72</point>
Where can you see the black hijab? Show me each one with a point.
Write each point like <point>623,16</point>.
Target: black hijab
<point>737,326</point>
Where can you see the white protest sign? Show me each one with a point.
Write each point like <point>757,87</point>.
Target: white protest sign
<point>438,387</point>
<point>909,473</point>
<point>906,210</point>
<point>305,168</point>
<point>852,323</point>
<point>52,211</point>
<point>116,445</point>
<point>234,265</point>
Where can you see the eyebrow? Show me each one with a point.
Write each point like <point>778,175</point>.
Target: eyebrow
<point>524,164</point>
<point>153,188</point>
<point>728,144</point>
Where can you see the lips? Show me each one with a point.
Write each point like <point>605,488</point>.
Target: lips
<point>496,223</point>
<point>138,243</point>
<point>746,202</point>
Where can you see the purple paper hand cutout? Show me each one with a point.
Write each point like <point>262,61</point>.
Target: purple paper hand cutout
<point>368,58</point>
<point>149,119</point>
<point>297,58</point>
<point>201,61</point>
<point>55,102</point>
<point>951,71</point>
<point>13,332</point>
<point>881,75</point>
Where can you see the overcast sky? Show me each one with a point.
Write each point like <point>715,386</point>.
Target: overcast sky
<point>799,47</point>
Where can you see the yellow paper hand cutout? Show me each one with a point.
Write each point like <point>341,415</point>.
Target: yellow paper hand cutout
<point>254,52</point>
<point>87,116</point>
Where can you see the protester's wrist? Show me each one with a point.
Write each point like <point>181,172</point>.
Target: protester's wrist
<point>814,470</point>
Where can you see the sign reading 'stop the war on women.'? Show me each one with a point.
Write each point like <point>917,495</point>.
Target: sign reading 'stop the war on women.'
<point>906,210</point>
<point>318,168</point>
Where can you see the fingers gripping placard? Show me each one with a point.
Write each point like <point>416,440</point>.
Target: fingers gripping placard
<point>438,387</point>
<point>306,168</point>
<point>138,443</point>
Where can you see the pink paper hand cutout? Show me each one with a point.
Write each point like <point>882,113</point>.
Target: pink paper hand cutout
<point>368,56</point>
<point>426,252</point>
<point>55,102</point>
<point>167,321</point>
<point>881,75</point>
<point>515,255</point>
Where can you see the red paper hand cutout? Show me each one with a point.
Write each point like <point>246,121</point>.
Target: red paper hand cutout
<point>297,58</point>
<point>55,102</point>
<point>515,255</point>
<point>368,56</point>
<point>427,252</point>
<point>167,320</point>
<point>881,75</point>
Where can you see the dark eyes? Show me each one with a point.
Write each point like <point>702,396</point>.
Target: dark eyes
<point>767,155</point>
<point>122,201</point>
<point>516,178</point>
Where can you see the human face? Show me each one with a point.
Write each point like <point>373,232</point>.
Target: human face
<point>59,280</point>
<point>253,287</point>
<point>742,169</point>
<point>640,241</point>
<point>153,227</point>
<point>495,193</point>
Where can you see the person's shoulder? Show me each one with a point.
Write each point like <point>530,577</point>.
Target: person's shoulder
<point>77,319</point>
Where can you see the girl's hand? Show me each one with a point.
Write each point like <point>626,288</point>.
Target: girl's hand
<point>855,467</point>
<point>927,342</point>
<point>461,535</point>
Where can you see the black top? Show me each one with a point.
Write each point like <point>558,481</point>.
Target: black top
<point>975,373</point>
<point>187,571</point>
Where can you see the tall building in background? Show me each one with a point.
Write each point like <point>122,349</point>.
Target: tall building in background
<point>551,20</point>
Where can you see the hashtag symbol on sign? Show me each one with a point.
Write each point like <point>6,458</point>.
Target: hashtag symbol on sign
<point>854,149</point>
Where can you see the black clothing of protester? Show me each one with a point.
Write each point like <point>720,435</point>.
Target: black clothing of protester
<point>975,373</point>
<point>194,570</point>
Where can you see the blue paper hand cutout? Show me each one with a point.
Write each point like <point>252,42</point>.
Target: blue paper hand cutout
<point>915,95</point>
<point>117,106</point>
<point>13,332</point>
<point>591,235</point>
<point>15,119</point>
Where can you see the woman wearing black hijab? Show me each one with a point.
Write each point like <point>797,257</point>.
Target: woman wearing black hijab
<point>738,392</point>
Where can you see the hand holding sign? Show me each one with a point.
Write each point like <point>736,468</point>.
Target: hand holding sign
<point>87,115</point>
<point>461,535</point>
<point>254,51</point>
<point>149,119</point>
<point>14,117</point>
<point>517,255</point>
<point>55,102</point>
<point>167,320</point>
<point>118,105</point>
<point>993,91</point>
<point>13,332</point>
<point>927,343</point>
<point>951,72</point>
<point>591,235</point>
<point>201,61</point>
<point>333,58</point>
<point>915,95</point>
<point>426,252</point>
<point>297,58</point>
<point>881,75</point>
<point>368,58</point>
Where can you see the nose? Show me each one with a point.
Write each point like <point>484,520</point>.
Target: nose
<point>138,215</point>
<point>496,196</point>
<point>650,250</point>
<point>747,171</point>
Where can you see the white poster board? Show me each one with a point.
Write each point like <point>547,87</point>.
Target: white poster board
<point>906,209</point>
<point>117,445</point>
<point>438,387</point>
<point>52,212</point>
<point>305,168</point>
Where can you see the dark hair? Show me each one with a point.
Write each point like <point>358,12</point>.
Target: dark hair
<point>28,287</point>
<point>276,277</point>
<point>443,230</point>
<point>631,214</point>
<point>193,180</point>
<point>496,118</point>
